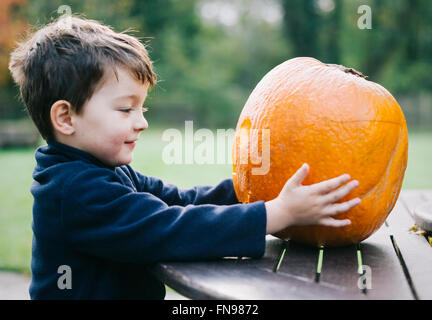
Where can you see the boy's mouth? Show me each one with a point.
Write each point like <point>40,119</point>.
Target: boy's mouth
<point>131,143</point>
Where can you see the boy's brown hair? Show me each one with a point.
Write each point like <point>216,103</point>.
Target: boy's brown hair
<point>66,60</point>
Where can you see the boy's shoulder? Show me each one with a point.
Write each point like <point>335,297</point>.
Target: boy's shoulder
<point>67,165</point>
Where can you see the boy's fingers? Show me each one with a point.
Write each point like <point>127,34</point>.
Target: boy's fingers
<point>340,193</point>
<point>331,222</point>
<point>341,207</point>
<point>300,175</point>
<point>326,186</point>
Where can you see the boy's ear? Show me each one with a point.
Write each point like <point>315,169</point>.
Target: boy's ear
<point>61,117</point>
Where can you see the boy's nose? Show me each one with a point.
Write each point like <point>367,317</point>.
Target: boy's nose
<point>141,124</point>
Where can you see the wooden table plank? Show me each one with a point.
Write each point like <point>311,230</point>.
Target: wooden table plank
<point>295,278</point>
<point>412,198</point>
<point>415,250</point>
<point>427,195</point>
<point>243,279</point>
<point>340,268</point>
<point>300,261</point>
<point>388,280</point>
<point>221,280</point>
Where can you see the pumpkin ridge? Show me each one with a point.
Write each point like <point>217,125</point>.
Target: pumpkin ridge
<point>385,172</point>
<point>384,176</point>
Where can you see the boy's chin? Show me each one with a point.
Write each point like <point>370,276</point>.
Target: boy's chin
<point>128,160</point>
<point>119,162</point>
<point>123,162</point>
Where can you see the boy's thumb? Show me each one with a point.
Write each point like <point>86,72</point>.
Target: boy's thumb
<point>300,175</point>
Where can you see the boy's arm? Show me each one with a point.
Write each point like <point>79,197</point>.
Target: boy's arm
<point>221,194</point>
<point>104,218</point>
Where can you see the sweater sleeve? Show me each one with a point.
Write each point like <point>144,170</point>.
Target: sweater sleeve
<point>105,218</point>
<point>221,194</point>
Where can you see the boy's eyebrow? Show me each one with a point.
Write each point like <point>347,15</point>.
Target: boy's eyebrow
<point>128,96</point>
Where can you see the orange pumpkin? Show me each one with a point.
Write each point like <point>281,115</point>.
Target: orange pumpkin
<point>331,117</point>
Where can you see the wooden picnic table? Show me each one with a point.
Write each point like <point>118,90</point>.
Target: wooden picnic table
<point>397,265</point>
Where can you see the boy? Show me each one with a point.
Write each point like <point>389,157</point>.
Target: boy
<point>84,86</point>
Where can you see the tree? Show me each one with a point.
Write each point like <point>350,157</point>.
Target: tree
<point>10,28</point>
<point>302,23</point>
<point>313,31</point>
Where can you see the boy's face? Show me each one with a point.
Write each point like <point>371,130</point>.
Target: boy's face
<point>112,119</point>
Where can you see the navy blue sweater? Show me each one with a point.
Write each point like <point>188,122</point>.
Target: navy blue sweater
<point>109,225</point>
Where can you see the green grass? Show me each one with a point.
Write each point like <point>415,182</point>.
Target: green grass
<point>418,174</point>
<point>15,209</point>
<point>148,160</point>
<point>16,167</point>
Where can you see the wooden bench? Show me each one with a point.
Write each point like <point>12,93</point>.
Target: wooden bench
<point>394,263</point>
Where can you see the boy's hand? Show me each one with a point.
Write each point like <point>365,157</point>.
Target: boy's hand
<point>299,205</point>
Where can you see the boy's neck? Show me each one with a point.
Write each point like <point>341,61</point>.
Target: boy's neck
<point>67,141</point>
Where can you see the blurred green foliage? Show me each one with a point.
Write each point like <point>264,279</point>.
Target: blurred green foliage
<point>208,64</point>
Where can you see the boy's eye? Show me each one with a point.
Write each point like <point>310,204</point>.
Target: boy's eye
<point>127,110</point>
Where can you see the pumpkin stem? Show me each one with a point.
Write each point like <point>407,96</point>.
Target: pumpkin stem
<point>347,70</point>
